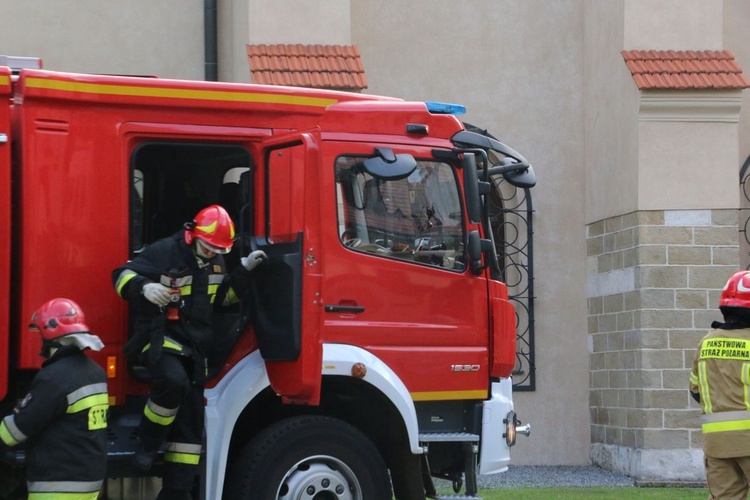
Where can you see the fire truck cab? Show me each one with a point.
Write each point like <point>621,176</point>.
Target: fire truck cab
<point>376,348</point>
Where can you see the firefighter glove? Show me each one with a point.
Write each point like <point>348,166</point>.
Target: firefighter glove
<point>156,294</point>
<point>251,261</point>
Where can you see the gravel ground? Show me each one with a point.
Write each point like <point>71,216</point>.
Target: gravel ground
<point>541,476</point>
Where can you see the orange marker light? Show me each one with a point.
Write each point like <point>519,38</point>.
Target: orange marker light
<point>111,366</point>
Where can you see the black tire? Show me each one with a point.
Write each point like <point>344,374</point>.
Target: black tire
<point>309,457</point>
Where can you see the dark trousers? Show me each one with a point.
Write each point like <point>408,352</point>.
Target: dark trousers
<point>174,415</point>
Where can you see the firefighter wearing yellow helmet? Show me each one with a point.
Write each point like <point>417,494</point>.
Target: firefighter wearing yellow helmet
<point>720,382</point>
<point>173,287</point>
<point>62,420</point>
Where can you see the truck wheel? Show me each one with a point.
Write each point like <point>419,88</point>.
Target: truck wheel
<point>309,458</point>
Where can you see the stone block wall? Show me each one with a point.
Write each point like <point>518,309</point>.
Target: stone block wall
<point>654,282</point>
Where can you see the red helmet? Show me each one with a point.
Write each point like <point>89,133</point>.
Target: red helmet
<point>58,318</point>
<point>737,291</point>
<point>214,227</point>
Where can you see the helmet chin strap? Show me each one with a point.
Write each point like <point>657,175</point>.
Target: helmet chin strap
<point>200,256</point>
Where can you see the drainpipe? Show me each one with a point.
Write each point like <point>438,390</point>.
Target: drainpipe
<point>210,40</point>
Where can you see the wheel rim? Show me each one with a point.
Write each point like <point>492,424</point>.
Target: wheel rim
<point>320,477</point>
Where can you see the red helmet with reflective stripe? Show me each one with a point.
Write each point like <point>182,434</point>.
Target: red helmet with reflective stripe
<point>736,292</point>
<point>57,318</point>
<point>213,226</point>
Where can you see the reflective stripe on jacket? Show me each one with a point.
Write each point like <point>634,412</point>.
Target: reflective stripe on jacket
<point>721,375</point>
<point>64,490</point>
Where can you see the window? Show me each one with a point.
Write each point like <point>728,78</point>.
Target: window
<point>285,193</point>
<point>417,219</point>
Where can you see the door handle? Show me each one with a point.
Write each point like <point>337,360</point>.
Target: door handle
<point>331,308</point>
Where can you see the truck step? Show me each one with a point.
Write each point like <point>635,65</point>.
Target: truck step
<point>461,437</point>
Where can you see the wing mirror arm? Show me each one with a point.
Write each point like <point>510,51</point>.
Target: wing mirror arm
<point>510,168</point>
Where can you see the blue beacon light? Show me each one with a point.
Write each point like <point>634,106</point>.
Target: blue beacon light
<point>445,108</point>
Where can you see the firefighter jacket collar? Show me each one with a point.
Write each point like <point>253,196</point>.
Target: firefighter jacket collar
<point>83,341</point>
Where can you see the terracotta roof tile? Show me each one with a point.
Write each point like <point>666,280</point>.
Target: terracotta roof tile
<point>689,69</point>
<point>317,66</point>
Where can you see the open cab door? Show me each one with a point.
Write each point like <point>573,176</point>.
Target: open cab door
<point>286,296</point>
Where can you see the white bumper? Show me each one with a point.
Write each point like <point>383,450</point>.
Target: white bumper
<point>495,453</point>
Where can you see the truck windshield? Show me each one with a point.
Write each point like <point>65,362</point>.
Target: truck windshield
<point>417,218</point>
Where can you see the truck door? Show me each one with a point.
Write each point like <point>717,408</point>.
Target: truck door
<point>286,289</point>
<point>396,277</point>
<point>6,235</point>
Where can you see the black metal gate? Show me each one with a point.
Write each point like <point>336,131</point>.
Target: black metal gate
<point>744,215</point>
<point>511,221</point>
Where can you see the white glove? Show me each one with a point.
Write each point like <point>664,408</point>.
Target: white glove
<point>251,261</point>
<point>156,294</point>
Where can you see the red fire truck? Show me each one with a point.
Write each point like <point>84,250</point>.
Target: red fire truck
<point>376,349</point>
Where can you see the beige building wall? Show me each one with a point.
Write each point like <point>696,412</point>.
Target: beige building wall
<point>689,162</point>
<point>154,37</point>
<point>233,20</point>
<point>629,167</point>
<point>611,115</point>
<point>737,40</point>
<point>323,22</point>
<point>673,24</point>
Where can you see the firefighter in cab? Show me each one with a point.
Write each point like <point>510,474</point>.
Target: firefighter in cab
<point>62,421</point>
<point>173,287</point>
<point>720,382</point>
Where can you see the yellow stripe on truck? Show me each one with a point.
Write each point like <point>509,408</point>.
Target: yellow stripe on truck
<point>448,395</point>
<point>177,93</point>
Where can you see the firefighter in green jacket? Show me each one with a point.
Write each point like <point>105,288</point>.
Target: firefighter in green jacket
<point>720,381</point>
<point>62,421</point>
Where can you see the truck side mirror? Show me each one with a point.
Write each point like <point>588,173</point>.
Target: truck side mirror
<point>471,188</point>
<point>387,166</point>
<point>474,246</point>
<point>517,174</point>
